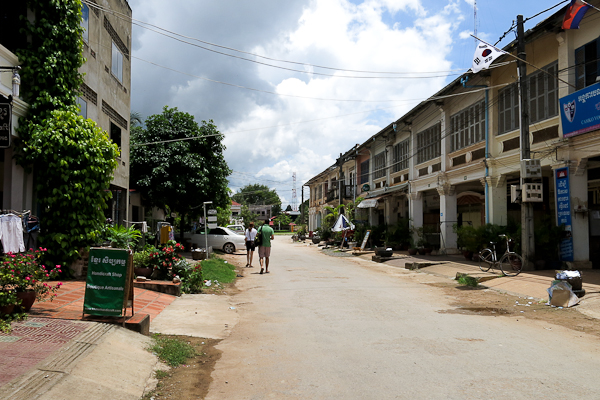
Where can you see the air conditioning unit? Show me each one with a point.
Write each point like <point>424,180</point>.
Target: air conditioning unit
<point>515,193</point>
<point>533,192</point>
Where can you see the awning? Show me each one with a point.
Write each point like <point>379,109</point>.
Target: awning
<point>367,203</point>
<point>372,202</point>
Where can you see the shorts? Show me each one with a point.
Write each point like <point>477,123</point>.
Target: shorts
<point>250,245</point>
<point>264,251</point>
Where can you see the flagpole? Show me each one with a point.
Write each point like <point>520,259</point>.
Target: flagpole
<point>590,5</point>
<point>524,61</point>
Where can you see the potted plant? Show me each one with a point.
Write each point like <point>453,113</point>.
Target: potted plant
<point>121,237</point>
<point>400,234</point>
<point>163,259</point>
<point>23,274</point>
<point>423,245</point>
<point>142,263</point>
<point>467,240</point>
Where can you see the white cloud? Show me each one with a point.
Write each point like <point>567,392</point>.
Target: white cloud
<point>299,135</point>
<point>465,34</point>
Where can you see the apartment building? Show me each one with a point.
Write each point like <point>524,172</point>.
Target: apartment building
<point>105,94</point>
<point>454,158</point>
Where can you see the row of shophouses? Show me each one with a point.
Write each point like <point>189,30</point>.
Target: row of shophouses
<point>454,158</point>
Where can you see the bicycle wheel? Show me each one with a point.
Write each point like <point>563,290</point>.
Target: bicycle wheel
<point>511,264</point>
<point>486,260</point>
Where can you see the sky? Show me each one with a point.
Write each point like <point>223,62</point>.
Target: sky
<point>292,84</point>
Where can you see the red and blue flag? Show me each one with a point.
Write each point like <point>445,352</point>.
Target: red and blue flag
<point>574,14</point>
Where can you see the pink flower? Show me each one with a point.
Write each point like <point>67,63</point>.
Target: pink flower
<point>28,278</point>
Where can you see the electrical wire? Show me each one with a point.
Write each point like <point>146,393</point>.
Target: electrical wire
<point>180,38</point>
<point>541,12</point>
<point>222,134</point>
<point>146,25</point>
<point>281,94</point>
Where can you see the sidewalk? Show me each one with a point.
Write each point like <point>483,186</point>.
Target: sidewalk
<point>526,284</point>
<point>55,354</point>
<point>40,355</point>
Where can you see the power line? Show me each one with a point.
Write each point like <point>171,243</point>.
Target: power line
<point>168,33</point>
<point>541,12</point>
<point>275,93</point>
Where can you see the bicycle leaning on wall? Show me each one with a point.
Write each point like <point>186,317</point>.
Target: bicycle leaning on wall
<point>510,263</point>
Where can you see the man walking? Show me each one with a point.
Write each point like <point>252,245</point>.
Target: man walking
<point>264,250</point>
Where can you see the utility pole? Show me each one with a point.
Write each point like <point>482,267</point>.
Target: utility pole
<point>302,207</point>
<point>527,236</point>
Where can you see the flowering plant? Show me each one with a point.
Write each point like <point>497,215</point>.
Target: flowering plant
<point>162,260</point>
<point>22,272</point>
<point>191,281</point>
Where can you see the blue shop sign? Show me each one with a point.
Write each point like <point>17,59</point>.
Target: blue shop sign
<point>563,212</point>
<point>580,111</point>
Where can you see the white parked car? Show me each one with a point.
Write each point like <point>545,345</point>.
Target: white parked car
<point>239,229</point>
<point>220,238</point>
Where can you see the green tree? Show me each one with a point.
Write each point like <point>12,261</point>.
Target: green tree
<point>333,215</point>
<point>51,61</point>
<point>178,164</point>
<point>303,218</point>
<point>224,215</point>
<point>350,209</point>
<point>135,119</point>
<point>257,195</point>
<point>248,216</point>
<point>282,219</point>
<point>72,159</point>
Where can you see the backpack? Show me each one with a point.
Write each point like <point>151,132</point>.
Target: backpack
<point>258,238</point>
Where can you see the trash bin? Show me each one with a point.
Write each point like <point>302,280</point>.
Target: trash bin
<point>574,278</point>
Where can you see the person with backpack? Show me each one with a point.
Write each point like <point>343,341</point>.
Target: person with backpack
<point>264,248</point>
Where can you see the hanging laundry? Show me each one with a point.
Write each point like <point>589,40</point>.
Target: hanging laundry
<point>11,233</point>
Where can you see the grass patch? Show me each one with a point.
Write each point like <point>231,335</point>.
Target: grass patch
<point>160,374</point>
<point>173,352</point>
<point>467,280</point>
<point>217,269</point>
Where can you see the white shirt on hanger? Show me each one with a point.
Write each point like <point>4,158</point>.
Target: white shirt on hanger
<point>11,233</point>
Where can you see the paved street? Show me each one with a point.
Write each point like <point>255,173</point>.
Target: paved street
<point>326,327</point>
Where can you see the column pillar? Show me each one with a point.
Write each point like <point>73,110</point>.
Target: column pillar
<point>415,209</point>
<point>497,197</point>
<point>448,217</point>
<point>389,206</point>
<point>578,181</point>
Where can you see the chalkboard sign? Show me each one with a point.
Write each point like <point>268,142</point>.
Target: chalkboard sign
<point>364,242</point>
<point>108,283</point>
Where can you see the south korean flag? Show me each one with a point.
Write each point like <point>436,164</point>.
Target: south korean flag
<point>485,54</point>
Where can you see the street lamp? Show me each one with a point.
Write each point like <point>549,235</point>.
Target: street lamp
<point>16,79</point>
<point>205,228</point>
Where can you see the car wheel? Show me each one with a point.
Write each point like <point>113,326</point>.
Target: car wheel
<point>228,248</point>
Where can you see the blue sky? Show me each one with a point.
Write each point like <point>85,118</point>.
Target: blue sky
<point>278,121</point>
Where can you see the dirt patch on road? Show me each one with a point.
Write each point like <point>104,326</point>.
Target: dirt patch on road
<point>487,302</point>
<point>189,381</point>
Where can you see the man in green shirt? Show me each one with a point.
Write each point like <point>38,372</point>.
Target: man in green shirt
<point>264,250</point>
